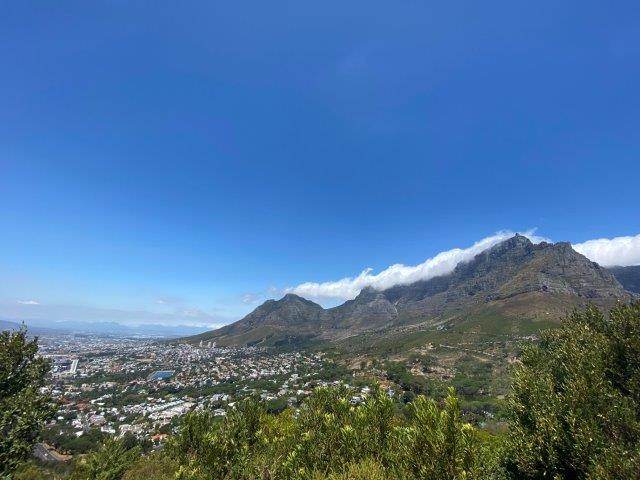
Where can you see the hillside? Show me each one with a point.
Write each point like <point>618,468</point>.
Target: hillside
<point>511,284</point>
<point>629,277</point>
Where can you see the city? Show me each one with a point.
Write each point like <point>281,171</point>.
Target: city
<point>111,386</point>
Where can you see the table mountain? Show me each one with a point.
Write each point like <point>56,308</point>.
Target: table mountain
<point>514,280</point>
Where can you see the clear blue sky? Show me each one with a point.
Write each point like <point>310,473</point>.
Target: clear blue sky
<point>180,157</point>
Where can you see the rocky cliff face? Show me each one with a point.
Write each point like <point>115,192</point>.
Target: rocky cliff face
<point>517,276</point>
<point>629,277</point>
<point>513,268</point>
<point>369,310</point>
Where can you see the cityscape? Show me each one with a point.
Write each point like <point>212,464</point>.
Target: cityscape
<point>118,386</point>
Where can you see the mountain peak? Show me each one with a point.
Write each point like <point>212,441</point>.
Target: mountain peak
<point>368,291</point>
<point>291,297</point>
<point>517,241</point>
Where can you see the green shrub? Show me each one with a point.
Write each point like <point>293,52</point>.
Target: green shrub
<point>367,469</point>
<point>575,400</point>
<point>207,448</point>
<point>329,437</point>
<point>152,467</point>
<point>436,444</point>
<point>109,463</point>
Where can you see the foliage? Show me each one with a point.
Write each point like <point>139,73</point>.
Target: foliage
<point>472,376</point>
<point>36,470</point>
<point>367,469</point>
<point>400,374</point>
<point>109,463</point>
<point>210,449</point>
<point>152,467</point>
<point>23,408</point>
<point>436,444</point>
<point>328,436</point>
<point>575,406</point>
<point>65,440</point>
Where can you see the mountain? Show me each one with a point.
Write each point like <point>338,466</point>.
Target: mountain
<point>275,321</point>
<point>37,326</point>
<point>629,277</point>
<point>5,325</point>
<point>32,330</point>
<point>513,282</point>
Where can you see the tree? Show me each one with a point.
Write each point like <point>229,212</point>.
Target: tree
<point>23,408</point>
<point>575,403</point>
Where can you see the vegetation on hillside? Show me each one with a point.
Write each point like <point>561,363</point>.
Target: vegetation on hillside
<point>573,410</point>
<point>575,403</point>
<point>23,408</point>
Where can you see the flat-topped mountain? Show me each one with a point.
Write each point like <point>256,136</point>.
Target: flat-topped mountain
<point>515,279</point>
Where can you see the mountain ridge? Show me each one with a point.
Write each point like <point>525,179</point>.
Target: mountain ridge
<point>516,277</point>
<point>628,276</point>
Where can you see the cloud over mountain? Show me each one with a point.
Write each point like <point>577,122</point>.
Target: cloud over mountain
<point>399,274</point>
<point>608,252</point>
<point>621,251</point>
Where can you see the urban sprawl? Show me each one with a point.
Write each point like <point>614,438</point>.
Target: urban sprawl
<point>142,387</point>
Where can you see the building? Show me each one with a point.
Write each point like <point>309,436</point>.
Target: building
<point>161,375</point>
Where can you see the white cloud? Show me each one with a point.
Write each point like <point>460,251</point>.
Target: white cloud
<point>169,300</point>
<point>253,298</point>
<point>608,252</point>
<point>399,274</point>
<point>250,298</point>
<point>28,302</point>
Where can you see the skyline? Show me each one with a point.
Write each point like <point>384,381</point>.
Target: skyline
<point>182,165</point>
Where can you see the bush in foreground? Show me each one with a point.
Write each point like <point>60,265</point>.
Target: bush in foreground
<point>23,408</point>
<point>330,438</point>
<point>575,406</point>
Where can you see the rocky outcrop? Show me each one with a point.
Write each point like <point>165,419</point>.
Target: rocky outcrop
<point>629,277</point>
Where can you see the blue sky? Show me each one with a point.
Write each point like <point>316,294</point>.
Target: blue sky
<point>183,162</point>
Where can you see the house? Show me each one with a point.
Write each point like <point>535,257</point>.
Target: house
<point>97,420</point>
<point>159,437</point>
